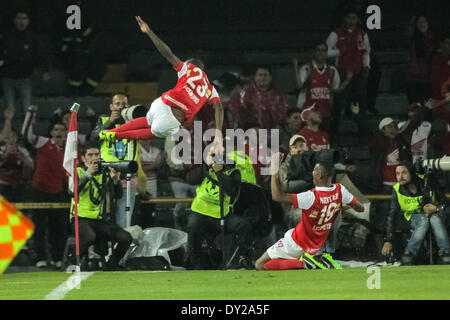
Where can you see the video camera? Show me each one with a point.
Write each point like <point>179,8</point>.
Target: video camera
<point>124,166</point>
<point>133,112</point>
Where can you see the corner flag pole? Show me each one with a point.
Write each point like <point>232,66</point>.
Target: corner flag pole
<point>75,108</point>
<point>70,164</point>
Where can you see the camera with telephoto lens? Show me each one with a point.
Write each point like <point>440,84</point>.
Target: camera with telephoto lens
<point>124,166</point>
<point>133,112</point>
<point>442,164</point>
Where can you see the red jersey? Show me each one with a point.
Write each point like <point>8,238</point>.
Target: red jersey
<point>391,162</point>
<point>439,74</point>
<point>315,140</point>
<point>318,92</point>
<point>320,207</point>
<point>49,174</point>
<point>192,90</point>
<point>351,44</point>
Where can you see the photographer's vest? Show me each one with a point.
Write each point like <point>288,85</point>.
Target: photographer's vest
<point>244,165</point>
<point>409,205</point>
<point>207,200</point>
<point>86,208</point>
<point>116,150</point>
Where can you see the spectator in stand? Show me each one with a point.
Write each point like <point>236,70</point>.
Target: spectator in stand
<point>317,139</point>
<point>440,69</point>
<point>350,45</point>
<point>440,85</point>
<point>20,52</point>
<point>317,82</point>
<point>297,144</point>
<point>15,163</point>
<point>49,184</point>
<point>418,129</point>
<point>80,56</point>
<point>387,148</point>
<point>151,160</point>
<point>292,125</point>
<point>259,102</point>
<point>259,153</point>
<point>184,179</point>
<point>422,44</point>
<point>64,116</point>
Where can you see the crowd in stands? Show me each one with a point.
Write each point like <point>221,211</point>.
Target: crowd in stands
<point>331,86</point>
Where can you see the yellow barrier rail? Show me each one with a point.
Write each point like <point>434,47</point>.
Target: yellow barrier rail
<point>64,205</point>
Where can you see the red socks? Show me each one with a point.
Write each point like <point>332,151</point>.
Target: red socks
<point>136,129</point>
<point>140,134</point>
<point>283,264</point>
<point>138,123</point>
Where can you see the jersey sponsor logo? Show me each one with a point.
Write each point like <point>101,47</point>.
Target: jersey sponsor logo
<point>314,214</point>
<point>320,93</point>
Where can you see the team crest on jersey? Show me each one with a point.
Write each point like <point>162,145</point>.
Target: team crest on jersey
<point>314,214</point>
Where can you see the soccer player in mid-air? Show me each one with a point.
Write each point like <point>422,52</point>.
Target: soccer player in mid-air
<point>320,207</point>
<point>176,106</point>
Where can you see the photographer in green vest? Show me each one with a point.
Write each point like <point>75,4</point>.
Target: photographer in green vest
<point>408,198</point>
<point>204,220</point>
<point>98,189</point>
<point>118,150</point>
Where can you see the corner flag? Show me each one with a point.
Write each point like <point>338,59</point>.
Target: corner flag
<point>15,230</point>
<point>70,164</point>
<point>70,154</point>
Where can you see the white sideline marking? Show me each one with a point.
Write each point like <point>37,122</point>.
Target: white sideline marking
<point>60,292</point>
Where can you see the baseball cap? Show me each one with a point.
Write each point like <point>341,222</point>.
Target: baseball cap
<point>294,138</point>
<point>385,122</point>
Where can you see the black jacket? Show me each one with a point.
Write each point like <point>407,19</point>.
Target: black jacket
<point>21,52</point>
<point>395,211</point>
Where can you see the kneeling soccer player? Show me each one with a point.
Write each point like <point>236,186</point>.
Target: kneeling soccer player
<point>320,207</point>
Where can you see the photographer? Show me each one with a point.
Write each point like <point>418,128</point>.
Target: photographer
<point>118,150</point>
<point>409,197</point>
<point>204,220</point>
<point>97,189</point>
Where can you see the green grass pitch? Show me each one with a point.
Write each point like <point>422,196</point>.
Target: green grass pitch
<point>415,282</point>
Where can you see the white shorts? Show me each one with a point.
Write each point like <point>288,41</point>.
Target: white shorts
<point>285,248</point>
<point>161,119</point>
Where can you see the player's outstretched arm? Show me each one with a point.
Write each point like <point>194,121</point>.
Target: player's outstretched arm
<point>358,207</point>
<point>277,193</point>
<point>163,49</point>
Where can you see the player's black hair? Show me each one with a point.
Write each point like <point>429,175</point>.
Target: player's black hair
<point>327,168</point>
<point>197,62</point>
